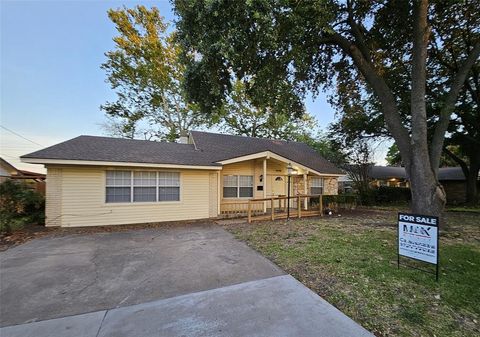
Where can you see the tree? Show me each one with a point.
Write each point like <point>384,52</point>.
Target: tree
<point>393,157</point>
<point>326,147</point>
<point>455,29</point>
<point>145,72</point>
<point>241,117</point>
<point>292,47</point>
<point>360,161</point>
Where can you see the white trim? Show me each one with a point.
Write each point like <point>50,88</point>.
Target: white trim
<point>111,163</point>
<point>264,184</point>
<point>219,191</point>
<point>268,155</point>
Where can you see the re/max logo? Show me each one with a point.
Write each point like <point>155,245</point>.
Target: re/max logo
<point>418,230</point>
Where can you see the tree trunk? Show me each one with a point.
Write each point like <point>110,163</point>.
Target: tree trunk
<point>471,183</point>
<point>428,195</point>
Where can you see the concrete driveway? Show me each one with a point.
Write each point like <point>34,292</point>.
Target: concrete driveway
<point>188,281</point>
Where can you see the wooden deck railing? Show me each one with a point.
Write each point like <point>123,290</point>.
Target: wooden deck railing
<point>272,208</point>
<point>300,205</point>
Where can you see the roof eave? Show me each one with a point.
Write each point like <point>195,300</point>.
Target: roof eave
<point>50,161</point>
<point>270,154</point>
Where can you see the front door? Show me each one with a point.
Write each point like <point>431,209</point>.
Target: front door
<point>277,185</point>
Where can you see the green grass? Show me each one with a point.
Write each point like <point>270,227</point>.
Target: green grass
<point>472,209</point>
<point>351,261</point>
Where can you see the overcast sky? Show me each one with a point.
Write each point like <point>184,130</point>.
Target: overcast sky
<point>51,81</point>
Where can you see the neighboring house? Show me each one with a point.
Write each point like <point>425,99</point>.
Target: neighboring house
<point>452,179</point>
<point>392,176</point>
<point>454,182</point>
<point>35,181</point>
<point>96,181</point>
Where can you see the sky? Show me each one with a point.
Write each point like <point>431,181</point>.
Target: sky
<point>51,83</point>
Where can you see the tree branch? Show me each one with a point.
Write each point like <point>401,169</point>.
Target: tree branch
<point>384,94</point>
<point>458,160</point>
<point>448,106</point>
<point>357,34</point>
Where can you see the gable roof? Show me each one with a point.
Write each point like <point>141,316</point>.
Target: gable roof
<point>208,149</point>
<point>222,147</point>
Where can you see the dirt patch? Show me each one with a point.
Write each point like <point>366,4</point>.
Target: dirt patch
<point>29,232</point>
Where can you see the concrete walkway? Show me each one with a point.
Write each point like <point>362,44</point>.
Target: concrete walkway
<point>277,306</point>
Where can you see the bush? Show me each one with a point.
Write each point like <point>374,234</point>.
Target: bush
<point>392,195</point>
<point>19,205</point>
<point>385,195</point>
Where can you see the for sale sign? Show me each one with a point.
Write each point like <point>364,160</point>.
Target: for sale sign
<point>418,237</point>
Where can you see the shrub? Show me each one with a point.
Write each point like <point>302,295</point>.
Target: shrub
<point>392,195</point>
<point>19,205</point>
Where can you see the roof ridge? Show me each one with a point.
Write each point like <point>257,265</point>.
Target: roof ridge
<point>131,139</point>
<point>248,137</point>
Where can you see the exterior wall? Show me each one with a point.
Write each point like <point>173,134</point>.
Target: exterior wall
<point>330,186</point>
<point>6,171</point>
<point>53,197</point>
<point>78,195</point>
<point>274,169</point>
<point>213,192</point>
<point>247,168</point>
<point>455,191</point>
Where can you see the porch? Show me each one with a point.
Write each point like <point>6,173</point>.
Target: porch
<point>282,207</point>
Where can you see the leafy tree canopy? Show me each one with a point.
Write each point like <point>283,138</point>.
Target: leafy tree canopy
<point>285,48</point>
<point>145,72</point>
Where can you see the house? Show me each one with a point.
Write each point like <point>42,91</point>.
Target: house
<point>392,176</point>
<point>452,179</point>
<point>96,181</point>
<point>33,180</point>
<point>454,182</point>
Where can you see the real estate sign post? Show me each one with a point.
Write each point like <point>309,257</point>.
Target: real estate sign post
<point>418,238</point>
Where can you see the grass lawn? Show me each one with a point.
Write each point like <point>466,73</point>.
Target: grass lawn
<point>351,261</point>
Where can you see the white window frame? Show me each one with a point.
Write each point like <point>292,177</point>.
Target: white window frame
<point>132,202</point>
<point>238,186</point>
<point>179,186</point>
<point>321,185</point>
<point>119,186</point>
<point>133,186</point>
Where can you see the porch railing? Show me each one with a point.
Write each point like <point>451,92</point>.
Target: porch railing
<point>272,208</point>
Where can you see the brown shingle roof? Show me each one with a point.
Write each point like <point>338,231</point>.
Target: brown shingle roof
<point>94,148</point>
<point>207,150</point>
<point>222,147</point>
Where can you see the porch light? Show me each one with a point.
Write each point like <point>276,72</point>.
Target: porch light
<point>289,169</point>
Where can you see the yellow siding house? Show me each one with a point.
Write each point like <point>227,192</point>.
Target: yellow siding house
<point>97,181</point>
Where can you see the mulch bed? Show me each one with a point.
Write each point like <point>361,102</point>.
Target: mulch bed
<point>29,232</point>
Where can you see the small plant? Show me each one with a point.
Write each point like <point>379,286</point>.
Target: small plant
<point>19,205</point>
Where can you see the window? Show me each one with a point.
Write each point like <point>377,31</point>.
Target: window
<point>230,186</point>
<point>118,186</point>
<point>316,185</point>
<point>142,186</point>
<point>237,186</point>
<point>246,186</point>
<point>168,186</point>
